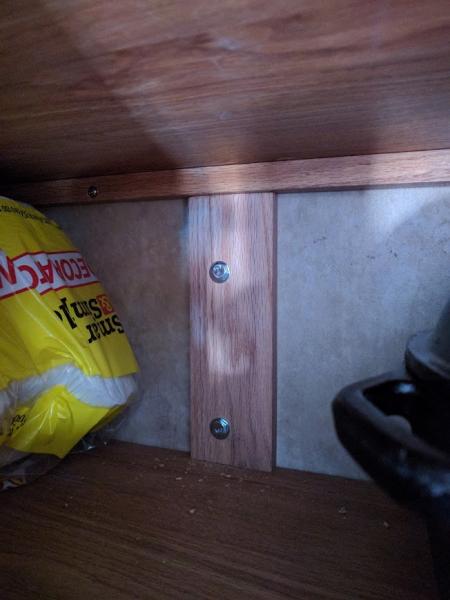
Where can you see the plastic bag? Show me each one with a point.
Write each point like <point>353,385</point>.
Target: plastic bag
<point>66,367</point>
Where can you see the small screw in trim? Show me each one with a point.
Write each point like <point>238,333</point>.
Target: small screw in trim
<point>219,428</point>
<point>92,191</point>
<point>219,271</point>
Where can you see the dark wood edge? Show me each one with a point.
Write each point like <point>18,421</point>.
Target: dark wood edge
<point>346,172</point>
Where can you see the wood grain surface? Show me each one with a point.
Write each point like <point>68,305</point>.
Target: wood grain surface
<point>92,87</point>
<point>347,172</point>
<point>233,328</point>
<point>128,521</point>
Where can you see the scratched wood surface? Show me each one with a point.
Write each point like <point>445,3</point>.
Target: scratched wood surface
<point>232,328</point>
<point>91,87</point>
<point>344,172</point>
<point>129,521</point>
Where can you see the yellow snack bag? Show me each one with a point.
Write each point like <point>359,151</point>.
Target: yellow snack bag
<point>66,366</point>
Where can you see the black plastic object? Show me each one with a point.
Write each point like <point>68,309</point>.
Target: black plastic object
<point>397,427</point>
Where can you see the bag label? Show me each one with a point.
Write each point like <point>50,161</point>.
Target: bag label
<point>43,271</point>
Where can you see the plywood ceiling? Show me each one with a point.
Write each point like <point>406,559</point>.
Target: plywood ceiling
<point>93,87</point>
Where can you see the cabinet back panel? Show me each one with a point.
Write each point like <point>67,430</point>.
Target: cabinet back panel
<point>358,273</point>
<point>139,252</point>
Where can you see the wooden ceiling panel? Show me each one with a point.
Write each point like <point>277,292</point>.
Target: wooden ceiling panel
<point>100,87</point>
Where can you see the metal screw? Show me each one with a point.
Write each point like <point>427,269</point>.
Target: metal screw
<point>92,191</point>
<point>220,428</point>
<point>219,271</point>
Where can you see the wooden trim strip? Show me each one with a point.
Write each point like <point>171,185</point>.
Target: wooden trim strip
<point>233,328</point>
<point>403,168</point>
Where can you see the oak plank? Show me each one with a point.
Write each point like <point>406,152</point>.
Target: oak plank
<point>129,521</point>
<point>88,89</point>
<point>233,328</point>
<point>407,168</point>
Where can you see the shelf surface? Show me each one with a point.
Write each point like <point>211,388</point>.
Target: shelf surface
<point>93,89</point>
<point>129,521</point>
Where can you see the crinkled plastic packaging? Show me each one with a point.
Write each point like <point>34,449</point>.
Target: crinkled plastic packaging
<point>66,366</point>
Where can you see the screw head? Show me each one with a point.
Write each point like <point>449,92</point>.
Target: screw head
<point>219,271</point>
<point>219,428</point>
<point>92,191</point>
